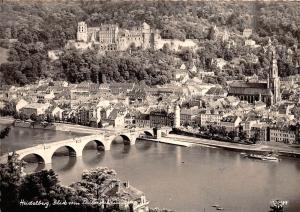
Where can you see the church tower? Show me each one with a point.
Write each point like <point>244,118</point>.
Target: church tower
<point>82,32</point>
<point>274,81</point>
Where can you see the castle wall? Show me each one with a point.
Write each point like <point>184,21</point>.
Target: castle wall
<point>175,44</point>
<point>108,38</point>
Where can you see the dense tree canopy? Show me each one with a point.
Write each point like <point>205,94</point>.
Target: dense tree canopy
<point>39,27</point>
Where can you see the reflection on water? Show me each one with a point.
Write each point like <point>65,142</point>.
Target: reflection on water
<point>31,167</point>
<point>191,179</point>
<point>92,157</point>
<point>119,151</point>
<point>63,163</point>
<point>142,145</point>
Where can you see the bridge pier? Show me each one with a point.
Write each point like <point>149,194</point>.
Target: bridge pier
<point>47,158</point>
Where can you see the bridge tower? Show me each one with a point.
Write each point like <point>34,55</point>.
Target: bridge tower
<point>176,116</point>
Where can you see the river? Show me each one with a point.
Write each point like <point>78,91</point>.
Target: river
<point>183,179</point>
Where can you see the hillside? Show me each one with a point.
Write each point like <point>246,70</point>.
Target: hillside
<point>40,27</point>
<point>3,55</point>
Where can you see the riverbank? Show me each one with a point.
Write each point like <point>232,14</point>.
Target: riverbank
<point>55,127</point>
<point>6,120</point>
<point>253,148</point>
<point>168,141</point>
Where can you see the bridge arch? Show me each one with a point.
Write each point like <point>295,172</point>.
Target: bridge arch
<point>99,144</point>
<point>30,156</point>
<point>125,139</point>
<point>148,133</point>
<point>72,151</point>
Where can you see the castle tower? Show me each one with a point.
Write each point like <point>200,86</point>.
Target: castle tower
<point>274,81</point>
<point>82,32</point>
<point>146,32</point>
<point>176,116</point>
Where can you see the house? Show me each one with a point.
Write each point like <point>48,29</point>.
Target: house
<point>193,69</point>
<point>95,115</point>
<point>83,115</point>
<point>247,33</point>
<point>187,116</point>
<point>129,119</point>
<point>142,120</point>
<point>250,42</point>
<point>230,123</point>
<point>203,74</point>
<point>232,101</point>
<point>216,92</point>
<point>131,199</point>
<point>210,117</point>
<point>20,104</point>
<point>248,123</point>
<point>45,96</point>
<point>57,112</point>
<point>68,114</point>
<point>259,105</point>
<point>283,134</point>
<point>123,99</point>
<point>137,96</point>
<point>243,107</point>
<point>35,108</point>
<point>121,88</point>
<point>117,118</point>
<point>181,75</point>
<point>54,54</point>
<point>161,118</point>
<point>258,132</point>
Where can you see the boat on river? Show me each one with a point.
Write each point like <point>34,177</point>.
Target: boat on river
<point>269,157</point>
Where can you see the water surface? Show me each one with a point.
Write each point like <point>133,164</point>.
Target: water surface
<point>185,179</point>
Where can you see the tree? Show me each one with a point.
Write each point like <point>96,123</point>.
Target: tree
<point>9,109</point>
<point>50,118</point>
<point>10,180</point>
<point>33,117</point>
<point>4,132</point>
<point>231,135</point>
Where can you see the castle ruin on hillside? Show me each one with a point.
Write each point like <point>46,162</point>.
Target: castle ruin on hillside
<point>109,37</point>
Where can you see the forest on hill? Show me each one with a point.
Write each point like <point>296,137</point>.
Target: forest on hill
<point>29,30</point>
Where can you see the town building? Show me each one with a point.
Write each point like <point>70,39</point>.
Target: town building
<point>230,123</point>
<point>137,96</point>
<point>20,104</point>
<point>142,120</point>
<point>283,134</point>
<point>210,117</point>
<point>46,96</point>
<point>259,132</point>
<point>55,112</point>
<point>159,118</point>
<point>35,108</point>
<point>116,117</point>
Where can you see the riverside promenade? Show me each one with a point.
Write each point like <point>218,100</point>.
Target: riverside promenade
<point>187,141</point>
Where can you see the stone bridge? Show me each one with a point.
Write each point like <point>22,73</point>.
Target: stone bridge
<point>76,145</point>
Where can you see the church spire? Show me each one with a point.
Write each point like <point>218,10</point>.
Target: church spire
<point>274,68</point>
<point>274,81</point>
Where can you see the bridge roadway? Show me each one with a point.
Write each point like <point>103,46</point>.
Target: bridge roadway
<point>76,145</point>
